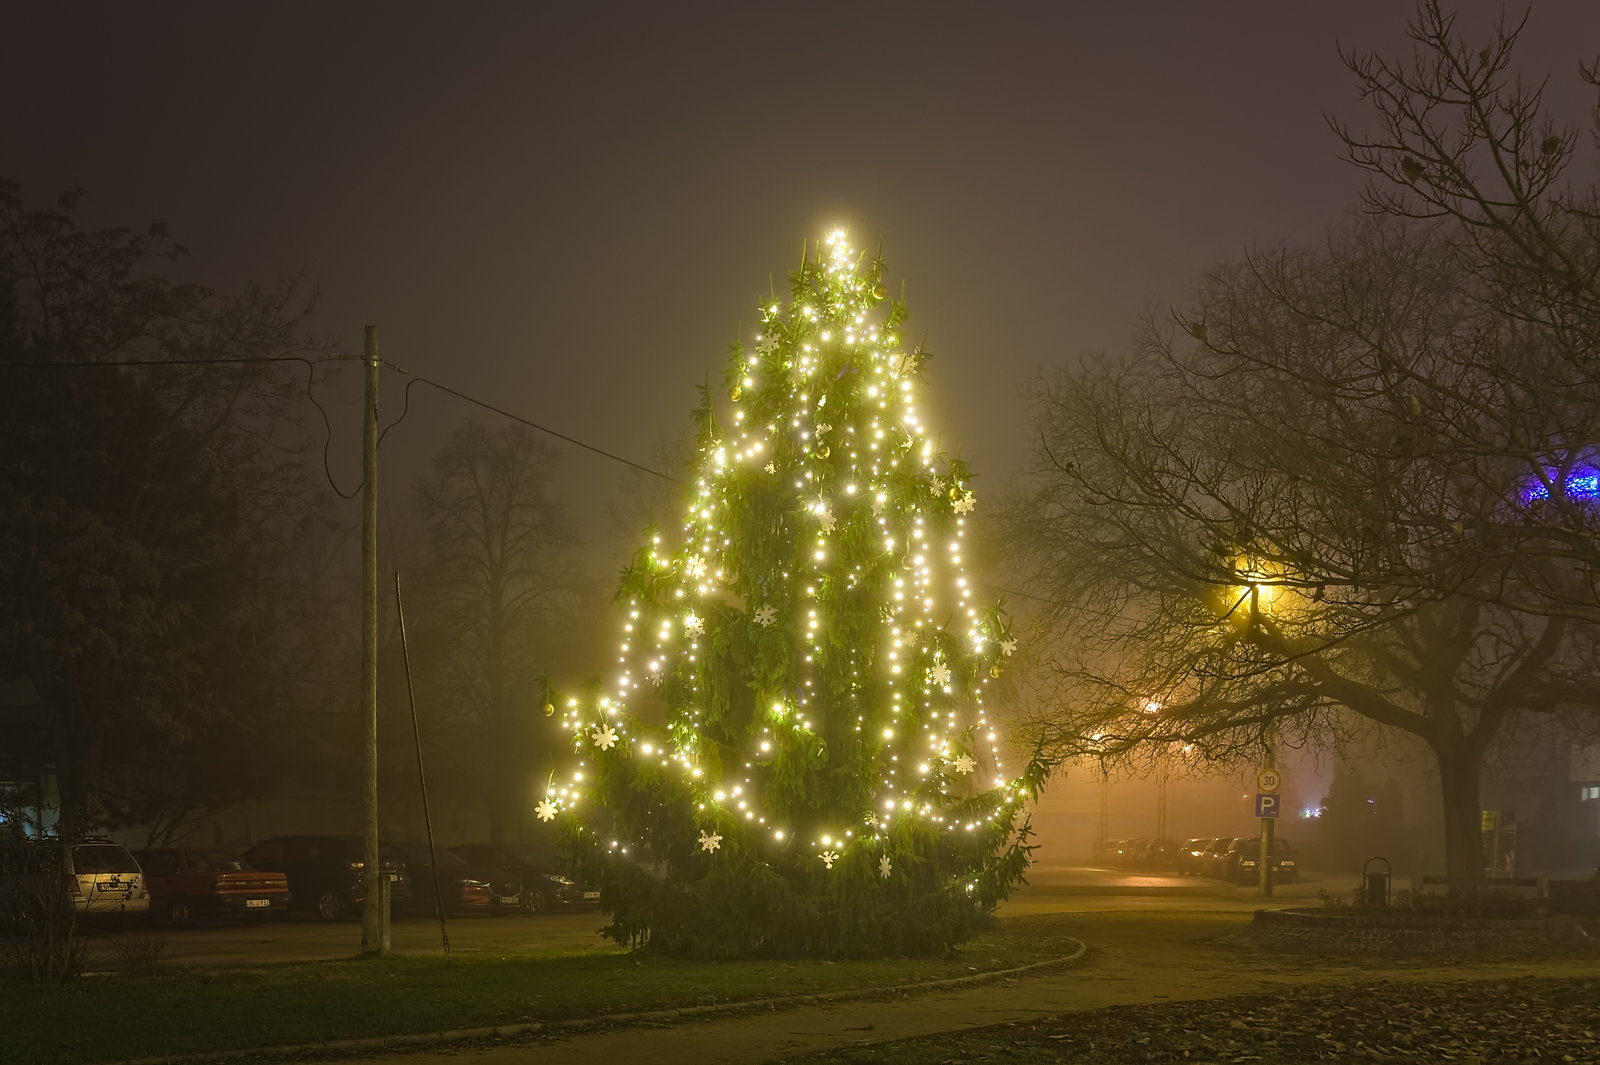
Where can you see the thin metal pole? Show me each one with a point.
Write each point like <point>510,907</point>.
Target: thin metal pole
<point>1264,858</point>
<point>422,779</point>
<point>374,914</point>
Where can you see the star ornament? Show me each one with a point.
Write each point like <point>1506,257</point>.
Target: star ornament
<point>710,841</point>
<point>766,616</point>
<point>965,504</point>
<point>963,764</point>
<point>828,858</point>
<point>885,867</point>
<point>545,811</point>
<point>605,737</point>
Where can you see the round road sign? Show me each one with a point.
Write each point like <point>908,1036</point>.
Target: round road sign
<point>1269,780</point>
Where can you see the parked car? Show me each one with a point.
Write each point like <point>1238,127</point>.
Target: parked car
<point>1190,854</point>
<point>1159,856</point>
<point>462,885</point>
<point>1132,853</point>
<point>41,878</point>
<point>537,872</point>
<point>1244,863</point>
<point>324,872</point>
<point>1214,862</point>
<point>191,883</point>
<point>1109,851</point>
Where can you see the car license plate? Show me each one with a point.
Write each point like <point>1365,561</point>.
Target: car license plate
<point>257,902</point>
<point>591,894</point>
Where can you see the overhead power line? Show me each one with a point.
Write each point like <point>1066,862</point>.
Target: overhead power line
<point>417,379</point>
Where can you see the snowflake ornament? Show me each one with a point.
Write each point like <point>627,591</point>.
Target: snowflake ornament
<point>886,615</point>
<point>965,504</point>
<point>826,519</point>
<point>938,485</point>
<point>767,344</point>
<point>822,427</point>
<point>695,568</point>
<point>766,616</point>
<point>693,626</point>
<point>885,867</point>
<point>545,811</point>
<point>771,467</point>
<point>941,674</point>
<point>1008,647</point>
<point>905,364</point>
<point>605,737</point>
<point>710,841</point>
<point>829,857</point>
<point>963,764</point>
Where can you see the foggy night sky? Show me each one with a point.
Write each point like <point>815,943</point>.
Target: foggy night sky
<point>571,210</point>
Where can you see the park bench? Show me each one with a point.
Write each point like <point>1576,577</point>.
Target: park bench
<point>1575,897</point>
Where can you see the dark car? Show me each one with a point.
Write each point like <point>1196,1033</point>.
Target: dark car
<point>187,883</point>
<point>1214,861</point>
<point>1159,855</point>
<point>463,886</point>
<point>1189,854</point>
<point>325,872</point>
<point>537,872</point>
<point>1244,861</point>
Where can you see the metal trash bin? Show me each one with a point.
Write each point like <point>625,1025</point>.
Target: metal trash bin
<point>1375,884</point>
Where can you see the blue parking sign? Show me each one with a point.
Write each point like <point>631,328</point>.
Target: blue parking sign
<point>1266,804</point>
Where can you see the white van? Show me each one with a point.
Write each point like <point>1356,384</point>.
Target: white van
<point>95,876</point>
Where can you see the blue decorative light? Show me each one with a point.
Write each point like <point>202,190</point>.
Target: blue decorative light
<point>1582,485</point>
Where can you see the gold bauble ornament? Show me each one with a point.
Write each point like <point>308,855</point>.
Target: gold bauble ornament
<point>879,292</point>
<point>549,710</point>
<point>823,452</point>
<point>735,393</point>
<point>955,493</point>
<point>994,671</point>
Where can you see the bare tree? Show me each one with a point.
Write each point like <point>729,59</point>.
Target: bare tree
<point>147,477</point>
<point>499,583</point>
<point>1251,535</point>
<point>1458,137</point>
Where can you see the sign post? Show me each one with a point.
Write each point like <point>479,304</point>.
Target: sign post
<point>1268,804</point>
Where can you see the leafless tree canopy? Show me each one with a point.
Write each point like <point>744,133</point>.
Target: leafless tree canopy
<point>1350,486</point>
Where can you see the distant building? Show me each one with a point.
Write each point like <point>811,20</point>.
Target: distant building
<point>28,797</point>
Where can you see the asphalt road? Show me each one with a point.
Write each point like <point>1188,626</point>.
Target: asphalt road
<point>1052,888</point>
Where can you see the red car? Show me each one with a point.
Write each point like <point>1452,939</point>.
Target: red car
<point>187,883</point>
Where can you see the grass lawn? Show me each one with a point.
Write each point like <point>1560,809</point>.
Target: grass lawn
<point>1527,1019</point>
<point>175,1011</point>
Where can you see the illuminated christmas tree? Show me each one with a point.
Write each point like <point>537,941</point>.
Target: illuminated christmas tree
<point>794,756</point>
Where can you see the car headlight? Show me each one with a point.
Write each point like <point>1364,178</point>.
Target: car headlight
<point>1287,861</point>
<point>476,883</point>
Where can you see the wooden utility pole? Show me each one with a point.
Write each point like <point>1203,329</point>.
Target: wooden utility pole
<point>375,907</point>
